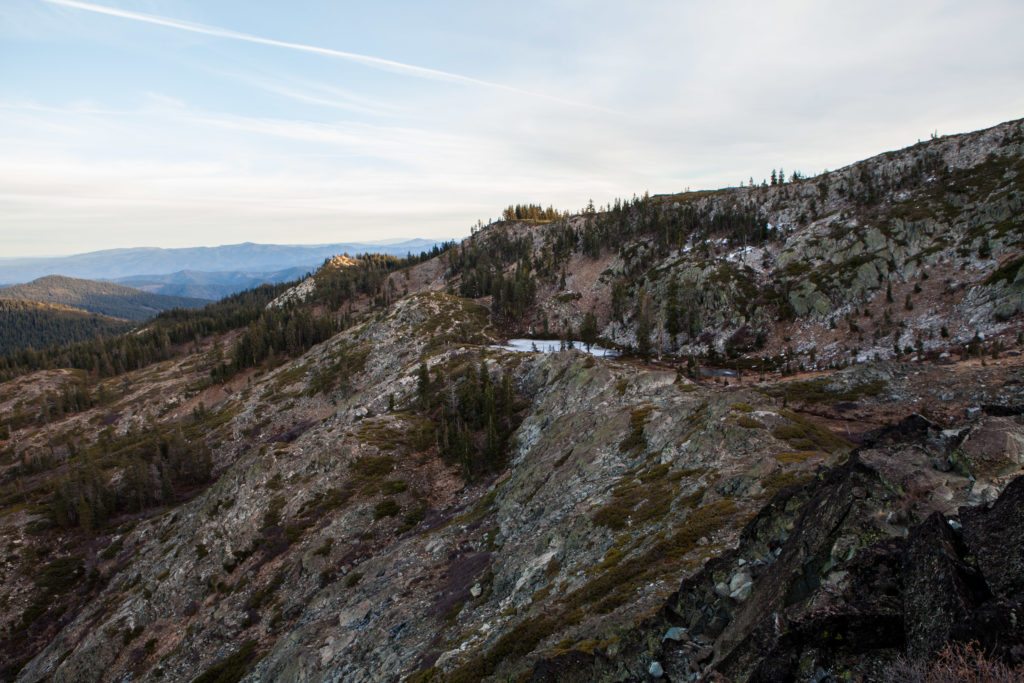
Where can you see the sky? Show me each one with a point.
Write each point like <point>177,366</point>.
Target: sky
<point>201,122</point>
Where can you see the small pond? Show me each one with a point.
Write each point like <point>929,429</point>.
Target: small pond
<point>555,345</point>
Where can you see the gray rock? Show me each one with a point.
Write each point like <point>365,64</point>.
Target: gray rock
<point>742,593</point>
<point>739,579</point>
<point>676,633</point>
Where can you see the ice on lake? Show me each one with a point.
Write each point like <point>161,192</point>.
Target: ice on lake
<point>555,345</point>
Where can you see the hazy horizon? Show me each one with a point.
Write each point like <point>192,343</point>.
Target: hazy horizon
<point>176,123</point>
<point>381,243</point>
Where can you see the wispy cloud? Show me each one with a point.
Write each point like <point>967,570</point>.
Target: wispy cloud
<point>320,94</point>
<point>366,60</point>
<point>243,145</point>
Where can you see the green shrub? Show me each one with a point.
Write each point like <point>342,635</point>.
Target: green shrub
<point>372,467</point>
<point>112,550</point>
<point>818,391</point>
<point>386,508</point>
<point>795,457</point>
<point>804,435</point>
<point>393,486</point>
<point>1006,272</point>
<point>635,441</point>
<point>232,668</point>
<point>272,517</point>
<point>522,639</point>
<point>412,518</point>
<point>784,478</point>
<point>748,422</point>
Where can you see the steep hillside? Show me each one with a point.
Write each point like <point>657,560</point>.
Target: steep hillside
<point>29,324</point>
<point>104,298</point>
<point>915,251</point>
<point>359,483</point>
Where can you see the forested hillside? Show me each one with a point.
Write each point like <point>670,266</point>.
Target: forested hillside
<point>105,298</point>
<point>269,332</point>
<point>29,324</point>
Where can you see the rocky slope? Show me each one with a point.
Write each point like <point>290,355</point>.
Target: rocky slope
<point>644,520</point>
<point>917,248</point>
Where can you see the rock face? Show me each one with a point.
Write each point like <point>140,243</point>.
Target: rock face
<point>302,291</point>
<point>920,245</point>
<point>638,520</point>
<point>836,589</point>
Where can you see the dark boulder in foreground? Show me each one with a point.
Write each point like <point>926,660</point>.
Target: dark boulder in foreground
<point>839,590</point>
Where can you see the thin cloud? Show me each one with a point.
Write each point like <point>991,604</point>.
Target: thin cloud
<point>366,60</point>
<point>318,94</point>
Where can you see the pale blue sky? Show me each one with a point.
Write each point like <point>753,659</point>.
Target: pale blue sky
<point>175,122</point>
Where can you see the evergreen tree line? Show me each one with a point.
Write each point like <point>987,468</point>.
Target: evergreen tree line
<point>513,294</point>
<point>293,329</point>
<point>73,397</point>
<point>668,228</point>
<point>474,416</point>
<point>644,230</point>
<point>338,286</point>
<point>508,268</point>
<point>28,324</point>
<point>482,264</point>
<point>531,212</point>
<point>286,332</point>
<point>155,470</point>
<point>161,337</point>
<point>107,357</point>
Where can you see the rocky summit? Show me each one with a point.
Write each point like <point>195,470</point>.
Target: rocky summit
<point>803,464</point>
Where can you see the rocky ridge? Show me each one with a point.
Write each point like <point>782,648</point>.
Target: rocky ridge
<point>646,523</point>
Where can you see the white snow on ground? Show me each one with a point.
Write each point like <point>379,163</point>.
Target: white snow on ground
<point>554,346</point>
<point>748,256</point>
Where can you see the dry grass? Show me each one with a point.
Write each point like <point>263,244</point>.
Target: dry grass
<point>796,457</point>
<point>955,663</point>
<point>748,422</point>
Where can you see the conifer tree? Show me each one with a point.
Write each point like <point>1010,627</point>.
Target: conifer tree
<point>673,313</point>
<point>588,329</point>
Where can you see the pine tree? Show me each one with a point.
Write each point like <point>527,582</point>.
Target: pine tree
<point>673,322</point>
<point>643,326</point>
<point>588,329</point>
<point>423,386</point>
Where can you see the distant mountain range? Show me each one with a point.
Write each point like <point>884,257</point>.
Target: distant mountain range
<point>103,298</point>
<point>206,272</point>
<point>206,285</point>
<point>59,300</point>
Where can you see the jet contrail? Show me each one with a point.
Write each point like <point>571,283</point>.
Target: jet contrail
<point>366,60</point>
